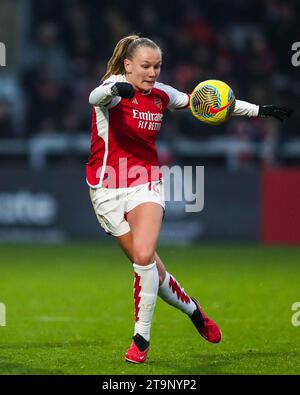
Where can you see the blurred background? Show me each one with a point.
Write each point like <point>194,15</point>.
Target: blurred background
<point>56,53</point>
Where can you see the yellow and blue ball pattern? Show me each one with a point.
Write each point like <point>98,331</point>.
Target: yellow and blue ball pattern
<point>212,102</point>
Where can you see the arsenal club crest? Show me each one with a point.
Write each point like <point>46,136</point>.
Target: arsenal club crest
<point>158,103</point>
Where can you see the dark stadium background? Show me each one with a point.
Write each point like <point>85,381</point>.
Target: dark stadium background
<point>57,52</point>
<point>66,287</point>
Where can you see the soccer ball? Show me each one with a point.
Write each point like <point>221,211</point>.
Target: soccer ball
<point>212,102</point>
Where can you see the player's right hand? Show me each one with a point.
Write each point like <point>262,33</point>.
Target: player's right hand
<point>123,89</point>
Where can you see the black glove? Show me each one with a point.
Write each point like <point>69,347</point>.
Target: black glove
<point>269,110</point>
<point>123,89</point>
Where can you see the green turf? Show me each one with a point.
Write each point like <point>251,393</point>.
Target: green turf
<point>70,311</point>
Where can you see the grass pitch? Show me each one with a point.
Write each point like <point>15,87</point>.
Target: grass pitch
<point>70,311</point>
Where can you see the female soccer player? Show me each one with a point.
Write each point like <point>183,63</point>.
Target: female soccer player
<point>126,186</point>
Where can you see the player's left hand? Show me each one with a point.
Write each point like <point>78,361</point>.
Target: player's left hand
<point>269,110</point>
<point>123,89</point>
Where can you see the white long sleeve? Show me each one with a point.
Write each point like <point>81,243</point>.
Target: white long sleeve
<point>101,96</point>
<point>245,109</point>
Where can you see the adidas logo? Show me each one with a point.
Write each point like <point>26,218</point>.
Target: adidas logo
<point>134,101</point>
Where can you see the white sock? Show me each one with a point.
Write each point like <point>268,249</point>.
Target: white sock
<point>145,295</point>
<point>171,292</point>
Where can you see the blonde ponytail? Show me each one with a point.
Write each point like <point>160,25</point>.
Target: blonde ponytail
<point>125,49</point>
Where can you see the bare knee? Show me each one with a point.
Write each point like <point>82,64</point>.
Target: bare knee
<point>161,269</point>
<point>143,256</point>
<point>161,276</point>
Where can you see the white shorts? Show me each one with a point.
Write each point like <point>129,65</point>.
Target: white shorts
<point>111,205</point>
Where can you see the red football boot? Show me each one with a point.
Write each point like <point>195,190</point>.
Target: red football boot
<point>207,328</point>
<point>134,354</point>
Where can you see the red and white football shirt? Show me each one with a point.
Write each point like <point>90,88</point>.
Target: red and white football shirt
<point>123,152</point>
